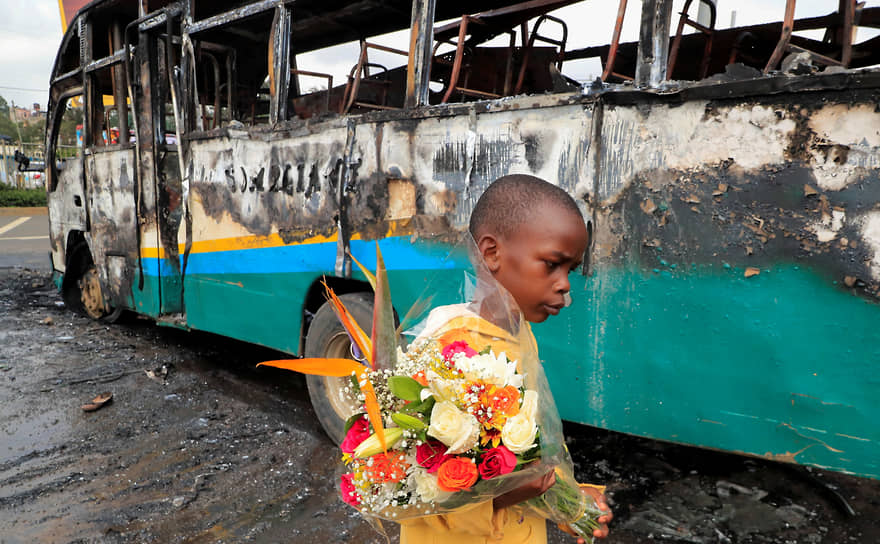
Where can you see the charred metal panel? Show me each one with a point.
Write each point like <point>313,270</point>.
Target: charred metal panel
<point>113,221</point>
<point>746,183</point>
<point>66,208</point>
<point>243,186</point>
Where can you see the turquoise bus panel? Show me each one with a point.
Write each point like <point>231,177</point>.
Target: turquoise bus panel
<point>782,364</point>
<point>700,355</point>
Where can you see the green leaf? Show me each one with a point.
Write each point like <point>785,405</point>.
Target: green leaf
<point>486,350</point>
<point>406,388</point>
<point>350,421</point>
<point>428,405</point>
<point>423,407</point>
<point>407,421</point>
<point>384,337</point>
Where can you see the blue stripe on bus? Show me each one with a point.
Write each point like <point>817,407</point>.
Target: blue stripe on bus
<point>399,253</point>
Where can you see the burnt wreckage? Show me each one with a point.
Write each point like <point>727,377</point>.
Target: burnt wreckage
<point>730,177</point>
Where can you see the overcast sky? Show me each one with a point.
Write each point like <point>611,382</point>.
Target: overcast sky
<point>30,32</point>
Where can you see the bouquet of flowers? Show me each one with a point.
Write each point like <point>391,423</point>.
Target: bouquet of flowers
<point>452,420</point>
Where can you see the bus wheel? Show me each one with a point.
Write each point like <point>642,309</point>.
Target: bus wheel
<point>82,287</point>
<point>326,338</point>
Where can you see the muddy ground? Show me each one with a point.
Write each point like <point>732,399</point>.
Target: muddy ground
<point>198,445</point>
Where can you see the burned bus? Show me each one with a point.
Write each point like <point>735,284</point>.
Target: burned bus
<point>729,297</point>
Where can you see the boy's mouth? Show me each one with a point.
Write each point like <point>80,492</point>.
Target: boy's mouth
<point>553,309</point>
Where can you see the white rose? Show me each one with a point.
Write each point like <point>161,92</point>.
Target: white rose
<point>441,388</point>
<point>530,403</point>
<point>427,488</point>
<point>519,431</point>
<point>459,430</point>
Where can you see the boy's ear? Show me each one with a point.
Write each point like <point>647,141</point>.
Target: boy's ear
<point>489,248</point>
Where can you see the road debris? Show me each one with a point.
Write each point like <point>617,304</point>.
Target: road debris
<point>98,402</point>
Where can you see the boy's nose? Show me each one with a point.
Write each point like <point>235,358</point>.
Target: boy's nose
<point>563,285</point>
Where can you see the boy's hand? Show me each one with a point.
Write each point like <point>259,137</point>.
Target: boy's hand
<point>526,491</point>
<point>598,495</point>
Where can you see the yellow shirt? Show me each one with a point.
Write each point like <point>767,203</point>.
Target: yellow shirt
<point>481,524</point>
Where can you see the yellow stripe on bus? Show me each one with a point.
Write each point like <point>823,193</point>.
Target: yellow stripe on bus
<point>395,228</point>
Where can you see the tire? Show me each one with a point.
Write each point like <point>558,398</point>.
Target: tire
<point>81,289</point>
<point>327,338</point>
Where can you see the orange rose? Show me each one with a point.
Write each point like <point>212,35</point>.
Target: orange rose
<point>504,401</point>
<point>457,474</point>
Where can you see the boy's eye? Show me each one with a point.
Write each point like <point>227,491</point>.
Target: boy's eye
<point>551,265</point>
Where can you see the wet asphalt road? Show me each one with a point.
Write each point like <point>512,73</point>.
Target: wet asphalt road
<point>198,445</point>
<point>24,238</point>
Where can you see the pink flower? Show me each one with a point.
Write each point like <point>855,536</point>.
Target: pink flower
<point>496,462</point>
<point>459,346</point>
<point>348,490</point>
<point>430,454</point>
<point>358,432</point>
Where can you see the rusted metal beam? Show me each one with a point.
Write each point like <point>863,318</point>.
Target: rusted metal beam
<point>459,53</point>
<point>709,32</point>
<point>99,64</point>
<point>615,41</point>
<point>119,85</point>
<point>279,65</point>
<point>847,12</point>
<point>653,43</point>
<point>418,67</point>
<point>234,14</point>
<point>785,37</point>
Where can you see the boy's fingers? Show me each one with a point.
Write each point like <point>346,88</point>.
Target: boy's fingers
<point>601,503</point>
<point>548,480</point>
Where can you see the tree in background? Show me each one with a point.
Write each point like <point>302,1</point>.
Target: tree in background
<point>7,127</point>
<point>34,132</point>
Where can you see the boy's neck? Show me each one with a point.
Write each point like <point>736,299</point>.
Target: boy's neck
<point>492,302</point>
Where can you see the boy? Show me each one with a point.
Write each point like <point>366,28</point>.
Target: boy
<point>531,236</point>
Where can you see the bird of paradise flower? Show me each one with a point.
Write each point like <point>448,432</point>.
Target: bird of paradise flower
<point>378,349</point>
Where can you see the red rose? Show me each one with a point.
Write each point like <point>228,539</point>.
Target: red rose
<point>459,346</point>
<point>358,432</point>
<point>348,490</point>
<point>457,474</point>
<point>431,454</point>
<point>496,462</point>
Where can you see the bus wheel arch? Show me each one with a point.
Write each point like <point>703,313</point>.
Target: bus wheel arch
<point>81,287</point>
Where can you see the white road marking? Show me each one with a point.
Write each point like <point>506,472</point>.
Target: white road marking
<point>24,238</point>
<point>13,224</point>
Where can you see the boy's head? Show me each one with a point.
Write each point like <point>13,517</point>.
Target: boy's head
<point>531,235</point>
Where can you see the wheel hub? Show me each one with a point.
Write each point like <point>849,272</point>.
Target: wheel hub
<point>90,294</point>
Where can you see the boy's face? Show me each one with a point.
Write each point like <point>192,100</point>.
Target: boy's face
<point>534,262</point>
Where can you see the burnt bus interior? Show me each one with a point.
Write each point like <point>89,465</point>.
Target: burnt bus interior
<point>228,55</point>
<point>233,80</point>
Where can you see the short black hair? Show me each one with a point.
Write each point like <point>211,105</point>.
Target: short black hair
<point>512,200</point>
